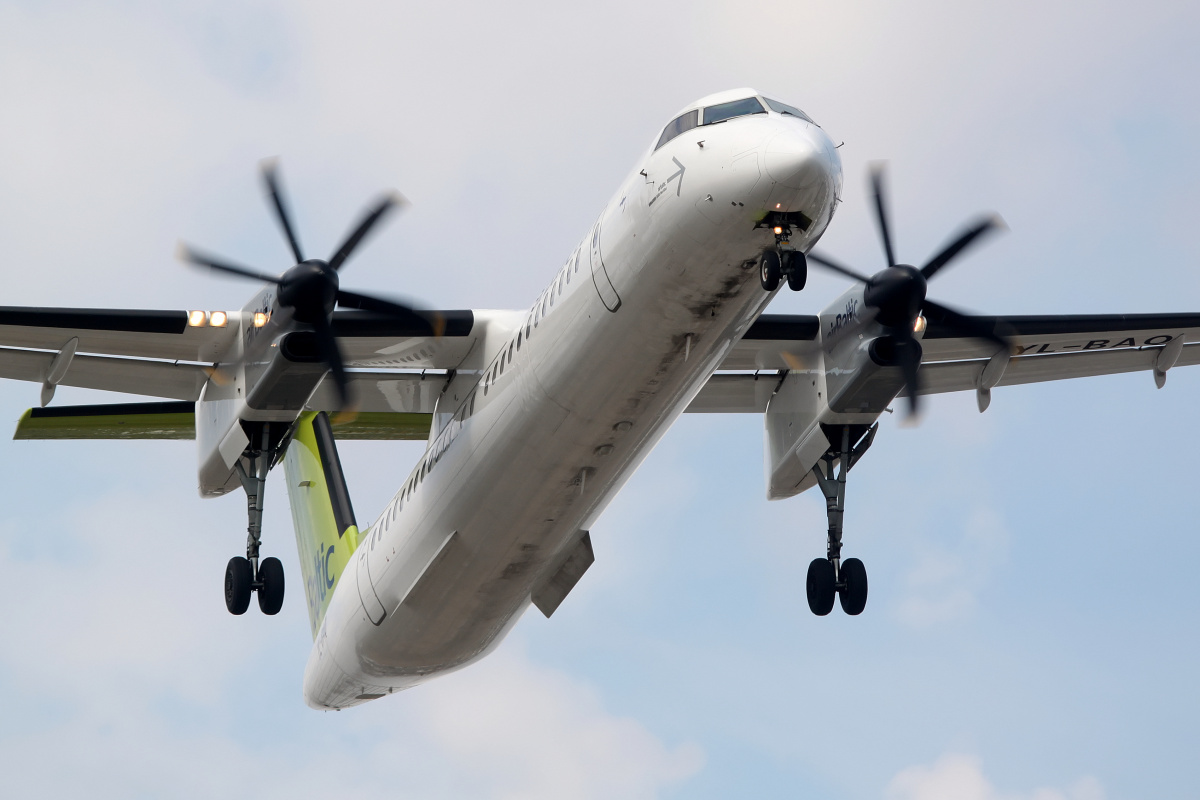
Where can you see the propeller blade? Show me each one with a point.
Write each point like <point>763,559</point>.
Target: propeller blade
<point>829,263</point>
<point>332,355</point>
<point>962,324</point>
<point>432,320</point>
<point>968,237</point>
<point>881,213</point>
<point>190,256</point>
<point>373,216</point>
<point>270,174</point>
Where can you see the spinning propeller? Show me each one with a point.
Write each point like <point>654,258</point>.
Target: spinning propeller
<point>895,297</point>
<point>309,291</point>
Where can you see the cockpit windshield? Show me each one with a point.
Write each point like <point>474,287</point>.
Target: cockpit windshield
<point>682,123</point>
<point>726,111</point>
<point>784,108</point>
<point>737,108</point>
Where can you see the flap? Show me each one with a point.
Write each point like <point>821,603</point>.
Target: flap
<point>127,375</point>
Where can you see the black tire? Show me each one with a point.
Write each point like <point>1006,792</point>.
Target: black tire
<point>796,268</point>
<point>270,593</point>
<point>238,578</point>
<point>854,587</point>
<point>769,271</point>
<point>821,586</point>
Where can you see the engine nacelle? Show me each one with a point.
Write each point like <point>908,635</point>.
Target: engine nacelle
<point>872,378</point>
<point>852,379</point>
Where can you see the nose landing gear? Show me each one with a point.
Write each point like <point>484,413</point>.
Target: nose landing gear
<point>831,576</point>
<point>776,264</point>
<point>243,576</point>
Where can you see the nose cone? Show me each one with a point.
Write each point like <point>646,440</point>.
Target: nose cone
<point>801,158</point>
<point>805,174</point>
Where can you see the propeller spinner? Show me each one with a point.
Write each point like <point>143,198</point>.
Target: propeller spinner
<point>310,290</point>
<point>896,296</point>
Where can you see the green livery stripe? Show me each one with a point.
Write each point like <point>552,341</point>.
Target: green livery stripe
<point>384,425</point>
<point>177,420</point>
<point>326,534</point>
<point>174,420</point>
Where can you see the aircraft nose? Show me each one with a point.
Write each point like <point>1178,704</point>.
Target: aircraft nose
<point>800,159</point>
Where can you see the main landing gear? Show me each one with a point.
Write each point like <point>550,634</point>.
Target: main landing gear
<point>777,264</point>
<point>831,576</point>
<point>243,576</point>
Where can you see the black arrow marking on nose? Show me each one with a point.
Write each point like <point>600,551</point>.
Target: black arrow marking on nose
<point>679,174</point>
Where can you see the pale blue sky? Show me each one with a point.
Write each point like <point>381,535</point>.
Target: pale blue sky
<point>1033,608</point>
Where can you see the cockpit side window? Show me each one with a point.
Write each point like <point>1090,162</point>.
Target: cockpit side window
<point>791,111</point>
<point>681,124</point>
<point>738,108</point>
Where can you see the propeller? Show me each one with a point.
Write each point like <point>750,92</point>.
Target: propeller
<point>310,290</point>
<point>896,296</point>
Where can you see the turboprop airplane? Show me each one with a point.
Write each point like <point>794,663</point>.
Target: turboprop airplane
<point>534,419</point>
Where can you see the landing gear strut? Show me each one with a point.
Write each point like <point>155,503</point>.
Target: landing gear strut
<point>246,575</point>
<point>831,576</point>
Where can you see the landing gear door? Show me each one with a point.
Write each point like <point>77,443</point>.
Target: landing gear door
<point>604,287</point>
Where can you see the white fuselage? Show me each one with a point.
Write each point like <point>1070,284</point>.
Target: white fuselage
<point>571,402</point>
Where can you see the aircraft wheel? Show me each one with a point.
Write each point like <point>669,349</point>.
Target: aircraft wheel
<point>769,271</point>
<point>797,270</point>
<point>821,586</point>
<point>854,589</point>
<point>270,593</point>
<point>238,578</point>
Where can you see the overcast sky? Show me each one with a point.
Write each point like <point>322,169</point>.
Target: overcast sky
<point>1031,631</point>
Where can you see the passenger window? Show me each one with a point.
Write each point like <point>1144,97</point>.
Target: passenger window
<point>784,108</point>
<point>738,108</point>
<point>510,352</point>
<point>681,124</point>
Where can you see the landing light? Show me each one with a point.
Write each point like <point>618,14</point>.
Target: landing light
<point>218,319</point>
<point>196,319</point>
<point>778,230</point>
<point>919,325</point>
<point>260,319</point>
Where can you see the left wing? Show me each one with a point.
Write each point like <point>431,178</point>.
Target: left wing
<point>1045,348</point>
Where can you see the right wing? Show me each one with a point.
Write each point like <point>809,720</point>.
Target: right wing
<point>158,354</point>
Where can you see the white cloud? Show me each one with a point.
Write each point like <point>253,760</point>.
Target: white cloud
<point>960,777</point>
<point>524,731</point>
<point>945,582</point>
